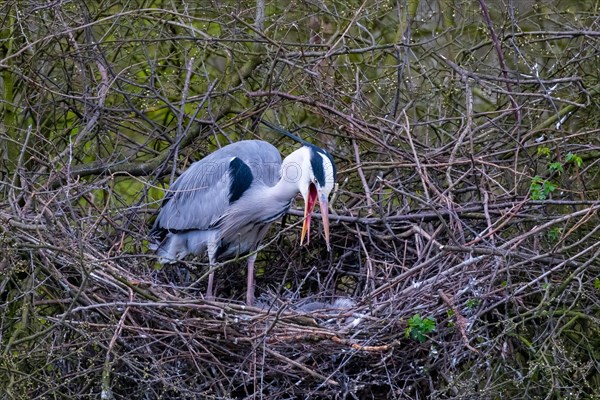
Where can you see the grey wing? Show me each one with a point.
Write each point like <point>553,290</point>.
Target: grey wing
<point>263,159</point>
<point>202,194</point>
<point>197,198</point>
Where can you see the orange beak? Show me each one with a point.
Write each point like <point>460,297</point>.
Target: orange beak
<point>324,206</point>
<point>311,201</point>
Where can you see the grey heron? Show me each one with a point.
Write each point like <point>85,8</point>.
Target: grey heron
<point>224,204</point>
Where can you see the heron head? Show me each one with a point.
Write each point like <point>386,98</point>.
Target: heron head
<point>315,184</point>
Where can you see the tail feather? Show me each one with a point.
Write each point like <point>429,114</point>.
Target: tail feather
<point>172,247</point>
<point>168,249</point>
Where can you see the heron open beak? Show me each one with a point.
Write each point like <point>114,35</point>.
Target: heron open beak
<point>311,201</point>
<point>324,205</point>
<point>308,209</point>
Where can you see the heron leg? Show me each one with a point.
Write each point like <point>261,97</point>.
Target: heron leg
<point>209,287</point>
<point>212,249</point>
<point>250,286</point>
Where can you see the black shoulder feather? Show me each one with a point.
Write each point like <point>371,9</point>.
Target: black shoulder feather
<point>241,179</point>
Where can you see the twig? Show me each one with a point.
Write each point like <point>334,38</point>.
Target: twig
<point>461,321</point>
<point>303,367</point>
<point>361,174</point>
<point>356,346</point>
<point>420,170</point>
<point>106,386</point>
<point>500,54</point>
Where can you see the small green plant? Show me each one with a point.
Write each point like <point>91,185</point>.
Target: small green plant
<point>473,303</point>
<point>540,188</point>
<point>559,167</point>
<point>556,167</point>
<point>419,327</point>
<point>554,233</point>
<point>571,158</point>
<point>543,151</point>
<point>597,284</point>
<point>450,314</point>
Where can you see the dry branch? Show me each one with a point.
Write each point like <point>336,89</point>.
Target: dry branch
<point>468,196</point>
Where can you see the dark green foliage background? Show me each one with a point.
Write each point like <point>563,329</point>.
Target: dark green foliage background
<point>442,116</point>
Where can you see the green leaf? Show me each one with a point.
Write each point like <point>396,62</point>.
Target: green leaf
<point>418,328</point>
<point>473,303</point>
<point>536,188</point>
<point>543,151</point>
<point>574,159</point>
<point>556,167</point>
<point>549,187</point>
<point>554,233</point>
<point>540,188</point>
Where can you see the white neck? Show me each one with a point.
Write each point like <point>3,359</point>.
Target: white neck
<point>294,175</point>
<point>283,191</point>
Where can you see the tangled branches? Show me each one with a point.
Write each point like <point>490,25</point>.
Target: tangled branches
<point>465,241</point>
<point>91,316</point>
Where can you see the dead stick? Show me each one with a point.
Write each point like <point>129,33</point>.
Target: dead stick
<point>301,366</point>
<point>461,322</point>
